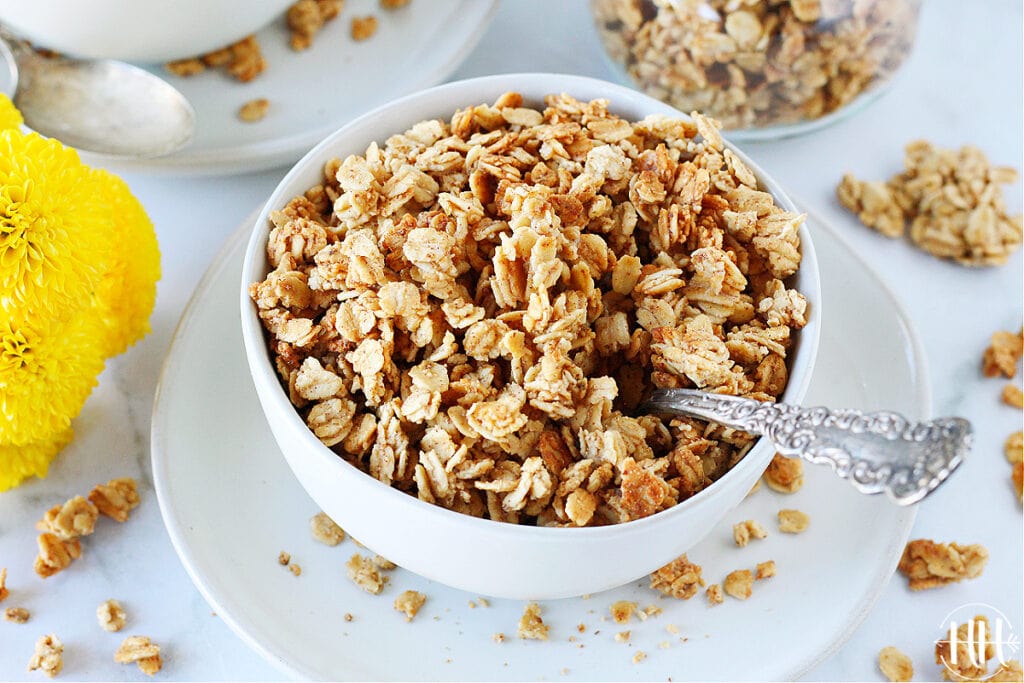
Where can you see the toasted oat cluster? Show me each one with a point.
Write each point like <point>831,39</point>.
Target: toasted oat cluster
<point>306,17</point>
<point>680,578</point>
<point>141,650</point>
<point>531,625</point>
<point>48,656</point>
<point>793,521</point>
<point>951,200</point>
<point>743,531</point>
<point>242,60</point>
<point>409,603</point>
<point>757,63</point>
<point>928,564</point>
<point>76,517</point>
<point>111,616</point>
<point>1004,351</point>
<point>739,584</point>
<point>325,530</point>
<point>785,475</point>
<point>366,573</point>
<point>895,665</point>
<point>116,498</point>
<point>17,615</point>
<point>472,312</point>
<point>254,110</point>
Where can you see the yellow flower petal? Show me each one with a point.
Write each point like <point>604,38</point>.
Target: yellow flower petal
<point>10,117</point>
<point>127,291</point>
<point>18,463</point>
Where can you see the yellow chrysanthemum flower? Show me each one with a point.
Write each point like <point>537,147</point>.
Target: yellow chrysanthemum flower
<point>33,459</point>
<point>127,292</point>
<point>9,116</point>
<point>48,367</point>
<point>55,226</point>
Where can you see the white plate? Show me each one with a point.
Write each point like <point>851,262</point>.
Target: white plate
<point>231,505</point>
<point>314,92</point>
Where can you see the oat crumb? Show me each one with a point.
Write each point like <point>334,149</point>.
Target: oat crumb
<point>48,656</point>
<point>325,530</point>
<point>714,594</point>
<point>498,637</point>
<point>785,475</point>
<point>111,616</point>
<point>141,650</point>
<point>363,27</point>
<point>116,498</point>
<point>283,558</point>
<point>793,521</point>
<point>1002,354</point>
<point>765,570</point>
<point>680,578</point>
<point>393,4</point>
<point>664,645</point>
<point>622,611</point>
<point>622,636</point>
<point>739,584</point>
<point>639,656</point>
<point>4,592</point>
<point>410,602</point>
<point>1013,396</point>
<point>295,569</point>
<point>254,110</point>
<point>672,628</point>
<point>19,615</point>
<point>895,665</point>
<point>483,602</point>
<point>365,573</point>
<point>531,625</point>
<point>743,531</point>
<point>348,616</point>
<point>581,628</point>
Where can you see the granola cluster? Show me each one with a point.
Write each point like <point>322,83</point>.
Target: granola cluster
<point>967,657</point>
<point>472,312</point>
<point>951,200</point>
<point>895,665</point>
<point>928,564</point>
<point>757,63</point>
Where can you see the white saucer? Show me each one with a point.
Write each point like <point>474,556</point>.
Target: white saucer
<point>314,92</point>
<point>231,504</point>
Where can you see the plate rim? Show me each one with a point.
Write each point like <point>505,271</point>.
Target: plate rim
<point>175,531</point>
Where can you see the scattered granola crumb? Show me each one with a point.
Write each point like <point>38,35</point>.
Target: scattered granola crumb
<point>622,636</point>
<point>785,475</point>
<point>895,665</point>
<point>48,656</point>
<point>639,656</point>
<point>76,517</point>
<point>1013,396</point>
<point>141,650</point>
<point>1017,477</point>
<point>953,202</point>
<point>393,4</point>
<point>714,594</point>
<point>348,616</point>
<point>306,17</point>
<point>498,637</point>
<point>295,569</point>
<point>1002,354</point>
<point>410,603</point>
<point>363,27</point>
<point>765,570</point>
<point>739,584</point>
<point>793,521</point>
<point>531,626</point>
<point>116,498</point>
<point>1013,449</point>
<point>325,530</point>
<point>622,611</point>
<point>365,574</point>
<point>664,645</point>
<point>4,592</point>
<point>19,615</point>
<point>673,629</point>
<point>242,60</point>
<point>483,602</point>
<point>186,67</point>
<point>254,110</point>
<point>384,563</point>
<point>928,564</point>
<point>111,616</point>
<point>649,611</point>
<point>472,605</point>
<point>581,627</point>
<point>55,555</point>
<point>680,578</point>
<point>746,530</point>
<point>283,558</point>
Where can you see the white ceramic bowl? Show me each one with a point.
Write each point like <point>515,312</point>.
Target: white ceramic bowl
<point>478,555</point>
<point>137,30</point>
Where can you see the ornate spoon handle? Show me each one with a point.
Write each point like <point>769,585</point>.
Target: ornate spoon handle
<point>878,452</point>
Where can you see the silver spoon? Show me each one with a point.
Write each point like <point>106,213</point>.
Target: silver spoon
<point>878,452</point>
<point>100,106</point>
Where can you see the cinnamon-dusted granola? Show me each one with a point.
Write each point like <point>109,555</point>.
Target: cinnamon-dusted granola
<point>472,311</point>
<point>111,616</point>
<point>928,564</point>
<point>953,204</point>
<point>48,656</point>
<point>306,17</point>
<point>895,665</point>
<point>1002,354</point>
<point>76,517</point>
<point>756,63</point>
<point>785,475</point>
<point>531,625</point>
<point>739,584</point>
<point>680,578</point>
<point>116,498</point>
<point>743,531</point>
<point>325,530</point>
<point>141,650</point>
<point>410,602</point>
<point>55,554</point>
<point>793,521</point>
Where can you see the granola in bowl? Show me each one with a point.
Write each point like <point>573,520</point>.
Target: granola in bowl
<point>452,328</point>
<point>472,311</point>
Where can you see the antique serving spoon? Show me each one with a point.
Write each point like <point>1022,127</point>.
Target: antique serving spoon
<point>878,452</point>
<point>100,106</point>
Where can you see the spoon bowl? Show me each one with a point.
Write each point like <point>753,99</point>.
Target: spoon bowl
<point>104,106</point>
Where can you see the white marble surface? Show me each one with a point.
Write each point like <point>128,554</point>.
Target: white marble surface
<point>963,84</point>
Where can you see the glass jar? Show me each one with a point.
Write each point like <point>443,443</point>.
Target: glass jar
<point>764,68</point>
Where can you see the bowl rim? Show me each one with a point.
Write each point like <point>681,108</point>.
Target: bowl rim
<point>459,94</point>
